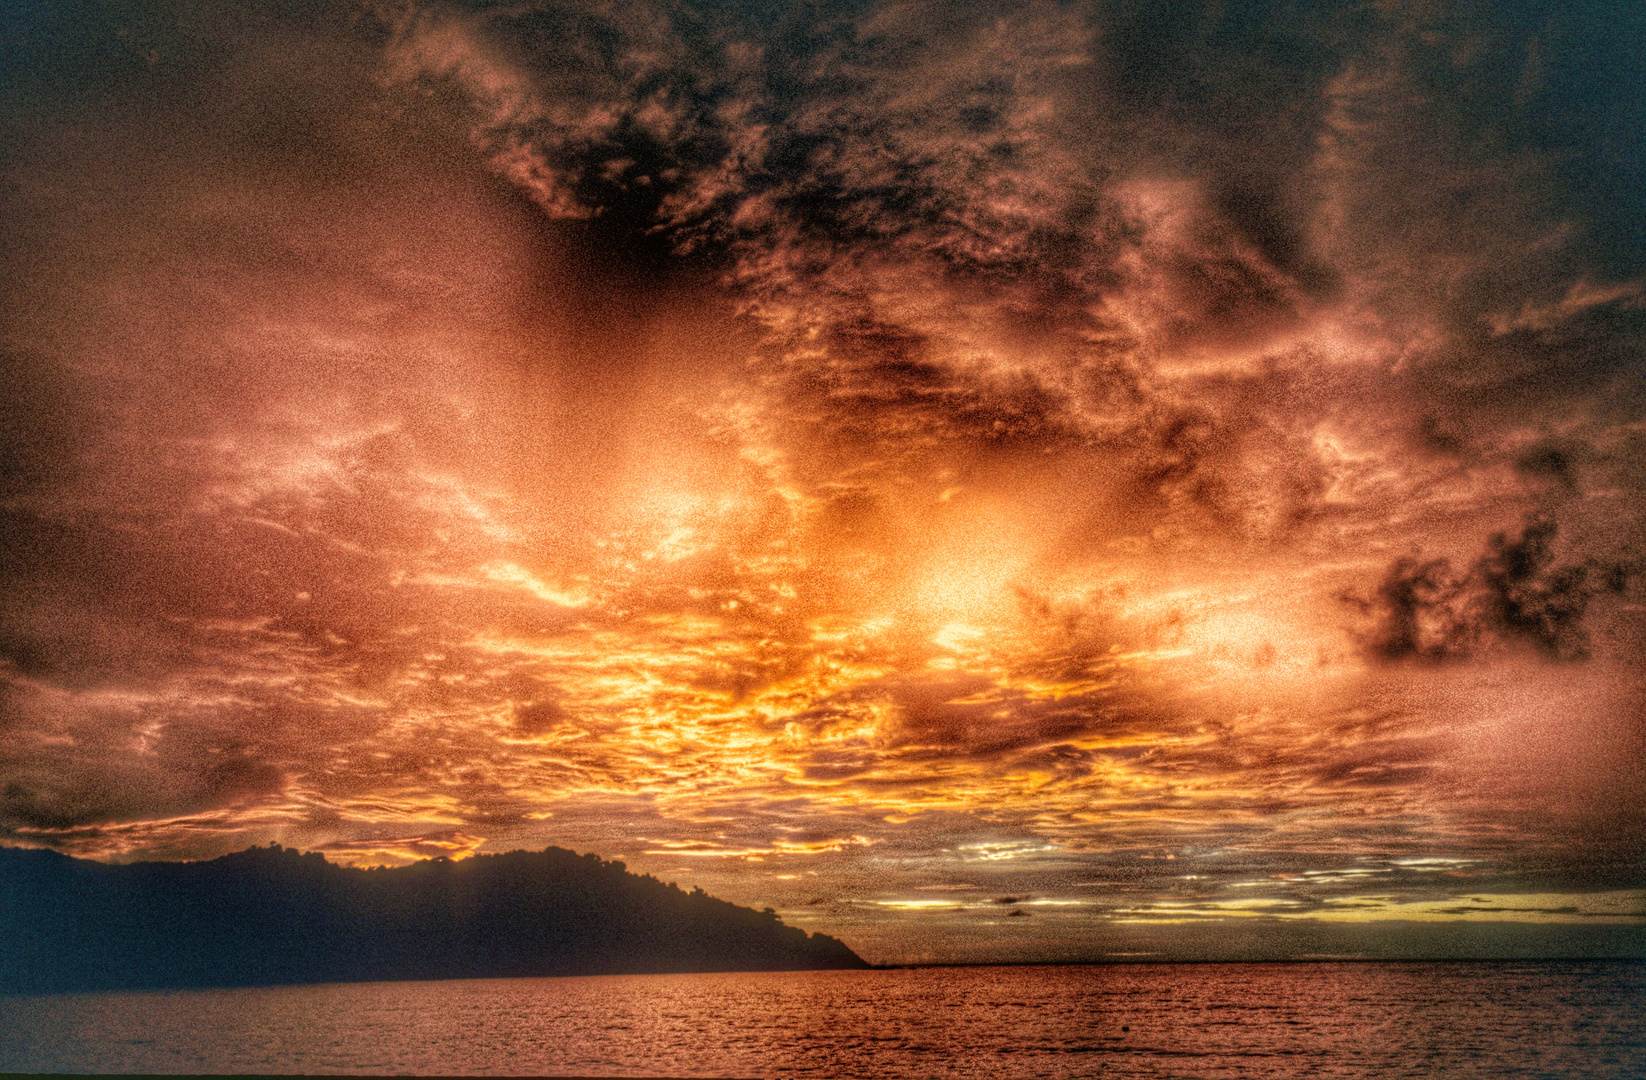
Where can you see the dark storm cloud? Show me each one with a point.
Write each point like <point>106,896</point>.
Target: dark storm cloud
<point>922,187</point>
<point>1518,591</point>
<point>833,158</point>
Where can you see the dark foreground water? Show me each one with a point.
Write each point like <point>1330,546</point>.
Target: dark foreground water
<point>1155,1020</point>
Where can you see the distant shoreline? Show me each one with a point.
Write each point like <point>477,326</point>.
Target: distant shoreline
<point>1137,961</point>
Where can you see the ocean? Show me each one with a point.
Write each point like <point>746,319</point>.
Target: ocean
<point>1487,1020</point>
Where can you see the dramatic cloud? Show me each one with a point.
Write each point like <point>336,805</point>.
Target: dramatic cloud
<point>1513,593</point>
<point>990,481</point>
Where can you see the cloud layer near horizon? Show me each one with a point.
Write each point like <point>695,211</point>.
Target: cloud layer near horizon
<point>1163,469</point>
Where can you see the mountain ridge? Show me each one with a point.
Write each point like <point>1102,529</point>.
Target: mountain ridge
<point>274,915</point>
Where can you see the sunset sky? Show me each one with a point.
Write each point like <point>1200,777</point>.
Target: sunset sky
<point>991,481</point>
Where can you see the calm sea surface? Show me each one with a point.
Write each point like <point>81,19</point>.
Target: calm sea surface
<point>1177,1020</point>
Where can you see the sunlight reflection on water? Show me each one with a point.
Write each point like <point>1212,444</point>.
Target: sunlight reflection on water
<point>1144,1020</point>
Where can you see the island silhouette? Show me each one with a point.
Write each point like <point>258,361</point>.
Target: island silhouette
<point>273,915</point>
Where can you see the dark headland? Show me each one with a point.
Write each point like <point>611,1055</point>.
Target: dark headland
<point>268,916</point>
